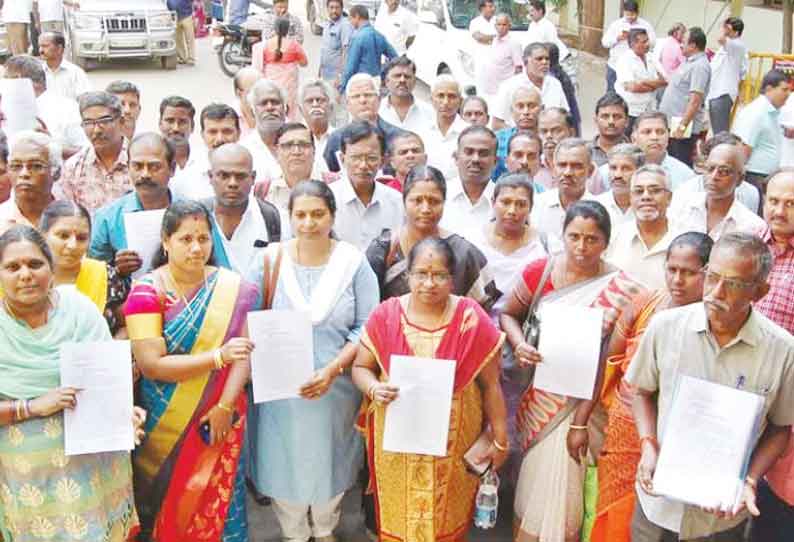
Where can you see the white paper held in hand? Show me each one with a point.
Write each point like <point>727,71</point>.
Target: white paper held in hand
<point>706,445</point>
<point>417,422</point>
<point>143,230</point>
<point>569,367</point>
<point>18,104</point>
<point>283,359</point>
<point>102,419</point>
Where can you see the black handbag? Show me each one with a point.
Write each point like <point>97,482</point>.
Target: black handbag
<point>531,326</point>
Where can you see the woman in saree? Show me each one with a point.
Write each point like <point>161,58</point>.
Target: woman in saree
<point>620,454</point>
<point>43,493</point>
<point>549,495</point>
<point>187,323</point>
<point>67,228</point>
<point>422,497</point>
<point>424,193</point>
<point>306,451</point>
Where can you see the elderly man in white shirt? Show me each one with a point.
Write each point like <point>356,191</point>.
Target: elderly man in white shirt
<point>728,67</point>
<point>400,107</point>
<point>398,25</point>
<point>63,77</point>
<point>441,138</point>
<point>268,101</point>
<point>470,194</point>
<point>616,38</point>
<point>572,167</point>
<point>639,247</point>
<point>717,211</point>
<point>637,78</point>
<point>364,207</point>
<point>623,160</point>
<point>536,73</point>
<point>317,105</point>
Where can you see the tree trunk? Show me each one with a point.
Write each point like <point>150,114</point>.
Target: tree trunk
<point>787,13</point>
<point>592,22</point>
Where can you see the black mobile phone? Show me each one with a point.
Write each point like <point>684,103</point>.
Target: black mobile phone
<point>204,428</point>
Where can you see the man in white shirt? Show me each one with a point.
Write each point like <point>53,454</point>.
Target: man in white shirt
<point>400,107</point>
<point>317,105</point>
<point>572,167</point>
<point>483,31</point>
<point>364,207</point>
<point>60,115</point>
<point>727,70</point>
<point>639,247</point>
<point>220,125</point>
<point>50,15</point>
<point>717,211</point>
<point>616,38</point>
<point>63,77</point>
<point>469,195</point>
<point>637,79</point>
<point>536,69</point>
<point>16,16</point>
<point>441,138</point>
<point>542,30</point>
<point>623,160</point>
<point>398,25</point>
<point>240,230</point>
<point>269,104</point>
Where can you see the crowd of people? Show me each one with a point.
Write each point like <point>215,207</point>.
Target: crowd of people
<point>434,230</point>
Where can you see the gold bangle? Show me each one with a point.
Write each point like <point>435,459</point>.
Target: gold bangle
<point>18,411</point>
<point>225,408</point>
<point>499,446</point>
<point>577,427</point>
<point>217,357</point>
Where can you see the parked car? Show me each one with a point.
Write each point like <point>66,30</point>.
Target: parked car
<point>109,29</point>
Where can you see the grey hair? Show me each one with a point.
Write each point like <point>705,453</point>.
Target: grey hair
<point>519,88</point>
<point>445,78</point>
<point>361,78</point>
<point>628,150</point>
<point>99,99</point>
<point>654,169</point>
<point>265,85</point>
<point>748,245</point>
<point>571,143</point>
<point>42,141</point>
<point>503,14</point>
<point>327,89</point>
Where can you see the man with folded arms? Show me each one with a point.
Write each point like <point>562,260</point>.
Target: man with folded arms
<point>725,341</point>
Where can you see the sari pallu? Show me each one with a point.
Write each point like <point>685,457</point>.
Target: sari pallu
<point>187,490</point>
<point>617,463</point>
<point>418,497</point>
<point>549,497</point>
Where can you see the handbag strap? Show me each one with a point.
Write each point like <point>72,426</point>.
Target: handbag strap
<point>538,291</point>
<point>270,277</point>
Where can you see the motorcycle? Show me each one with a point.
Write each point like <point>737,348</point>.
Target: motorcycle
<point>234,43</point>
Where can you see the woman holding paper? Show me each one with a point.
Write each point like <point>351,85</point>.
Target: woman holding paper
<point>549,496</point>
<point>67,228</point>
<point>424,193</point>
<point>43,493</point>
<point>617,463</point>
<point>307,452</point>
<point>187,323</point>
<point>423,497</point>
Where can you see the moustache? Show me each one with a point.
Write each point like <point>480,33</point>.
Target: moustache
<point>716,303</point>
<point>145,183</point>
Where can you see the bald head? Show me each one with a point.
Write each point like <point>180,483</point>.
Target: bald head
<point>525,105</point>
<point>231,151</point>
<point>245,79</point>
<point>779,205</point>
<point>232,176</point>
<point>724,171</point>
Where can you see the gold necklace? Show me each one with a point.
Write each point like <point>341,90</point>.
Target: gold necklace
<point>179,290</point>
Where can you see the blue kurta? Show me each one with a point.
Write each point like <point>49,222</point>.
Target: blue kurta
<point>307,452</point>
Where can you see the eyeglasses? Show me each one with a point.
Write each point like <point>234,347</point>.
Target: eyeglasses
<point>369,159</point>
<point>652,191</point>
<point>301,146</point>
<point>33,167</point>
<point>436,278</point>
<point>102,122</point>
<point>721,171</point>
<point>731,284</point>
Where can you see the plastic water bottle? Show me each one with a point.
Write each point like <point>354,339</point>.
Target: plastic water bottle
<point>487,501</point>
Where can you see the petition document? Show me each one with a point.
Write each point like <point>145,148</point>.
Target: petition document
<point>102,419</point>
<point>569,367</point>
<point>283,359</point>
<point>707,443</point>
<point>143,230</point>
<point>417,422</point>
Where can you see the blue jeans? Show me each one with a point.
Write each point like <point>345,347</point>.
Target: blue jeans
<point>238,11</point>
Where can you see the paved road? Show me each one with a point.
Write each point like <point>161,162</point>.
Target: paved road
<point>204,84</point>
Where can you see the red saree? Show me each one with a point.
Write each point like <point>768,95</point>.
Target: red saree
<point>423,497</point>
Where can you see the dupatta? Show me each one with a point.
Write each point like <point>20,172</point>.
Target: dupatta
<point>186,483</point>
<point>92,281</point>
